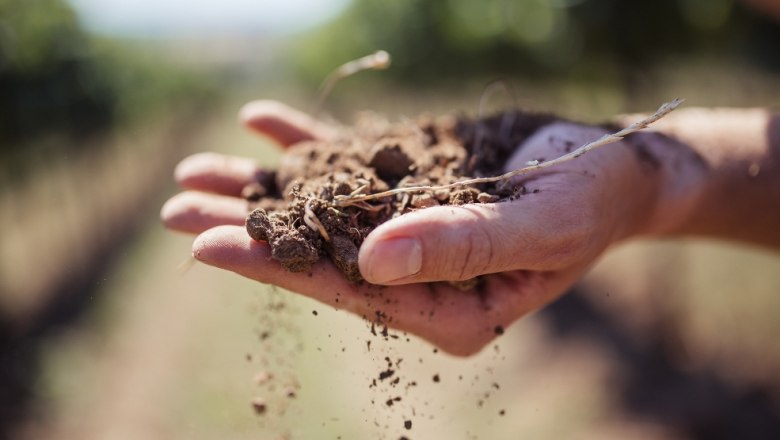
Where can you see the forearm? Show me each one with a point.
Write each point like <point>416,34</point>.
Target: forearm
<point>720,174</point>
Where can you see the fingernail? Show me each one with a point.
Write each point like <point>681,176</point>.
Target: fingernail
<point>394,259</point>
<point>197,248</point>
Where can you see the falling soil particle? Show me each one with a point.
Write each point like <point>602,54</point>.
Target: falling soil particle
<point>408,424</point>
<point>436,378</point>
<point>499,330</point>
<point>385,374</point>
<point>293,209</point>
<point>259,405</point>
<point>263,377</point>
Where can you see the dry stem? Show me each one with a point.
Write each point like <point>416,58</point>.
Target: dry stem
<point>378,60</point>
<point>313,222</point>
<point>662,111</point>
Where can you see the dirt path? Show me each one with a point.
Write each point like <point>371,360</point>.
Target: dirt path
<point>136,365</point>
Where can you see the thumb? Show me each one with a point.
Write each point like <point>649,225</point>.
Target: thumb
<point>568,216</point>
<point>454,243</point>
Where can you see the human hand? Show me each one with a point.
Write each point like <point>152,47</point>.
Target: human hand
<point>528,251</point>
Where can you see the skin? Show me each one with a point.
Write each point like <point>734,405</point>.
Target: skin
<point>712,173</point>
<point>769,7</point>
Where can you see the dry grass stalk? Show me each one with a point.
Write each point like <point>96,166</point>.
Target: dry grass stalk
<point>378,60</point>
<point>313,222</point>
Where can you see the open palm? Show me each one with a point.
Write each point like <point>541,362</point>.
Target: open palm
<point>527,251</point>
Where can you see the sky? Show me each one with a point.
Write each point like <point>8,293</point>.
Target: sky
<point>188,17</point>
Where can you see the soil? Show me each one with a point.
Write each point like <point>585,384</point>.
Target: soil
<point>371,157</point>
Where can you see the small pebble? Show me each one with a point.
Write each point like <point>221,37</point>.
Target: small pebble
<point>441,195</point>
<point>487,198</point>
<point>423,201</point>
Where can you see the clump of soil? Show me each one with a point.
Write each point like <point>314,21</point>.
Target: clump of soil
<point>371,157</point>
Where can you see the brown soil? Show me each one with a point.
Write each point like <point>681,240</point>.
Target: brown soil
<point>371,157</point>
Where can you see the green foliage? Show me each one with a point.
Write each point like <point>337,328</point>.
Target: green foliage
<point>144,84</point>
<point>46,76</point>
<point>431,39</point>
<point>56,79</point>
<point>36,34</point>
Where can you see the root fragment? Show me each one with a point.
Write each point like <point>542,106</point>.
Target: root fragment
<point>311,220</point>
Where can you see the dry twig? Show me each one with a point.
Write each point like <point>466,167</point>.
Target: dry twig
<point>312,221</point>
<point>665,109</point>
<point>378,60</point>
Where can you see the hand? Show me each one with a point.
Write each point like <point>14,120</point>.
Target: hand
<point>529,250</point>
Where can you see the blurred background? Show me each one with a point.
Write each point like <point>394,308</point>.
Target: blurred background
<point>104,336</point>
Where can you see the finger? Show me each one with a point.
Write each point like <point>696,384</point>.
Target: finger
<point>217,173</point>
<point>459,322</point>
<point>195,212</point>
<point>282,123</point>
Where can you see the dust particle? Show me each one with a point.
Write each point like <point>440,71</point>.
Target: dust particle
<point>385,374</point>
<point>408,424</point>
<point>263,377</point>
<point>259,405</point>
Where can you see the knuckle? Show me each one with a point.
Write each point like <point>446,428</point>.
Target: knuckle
<point>575,240</point>
<point>473,253</point>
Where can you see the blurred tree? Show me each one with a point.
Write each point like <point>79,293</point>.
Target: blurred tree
<point>431,38</point>
<point>59,85</point>
<point>49,80</point>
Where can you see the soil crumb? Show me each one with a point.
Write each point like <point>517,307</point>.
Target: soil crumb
<point>259,405</point>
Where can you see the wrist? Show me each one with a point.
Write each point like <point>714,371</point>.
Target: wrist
<point>741,190</point>
<point>717,175</point>
<point>677,174</point>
